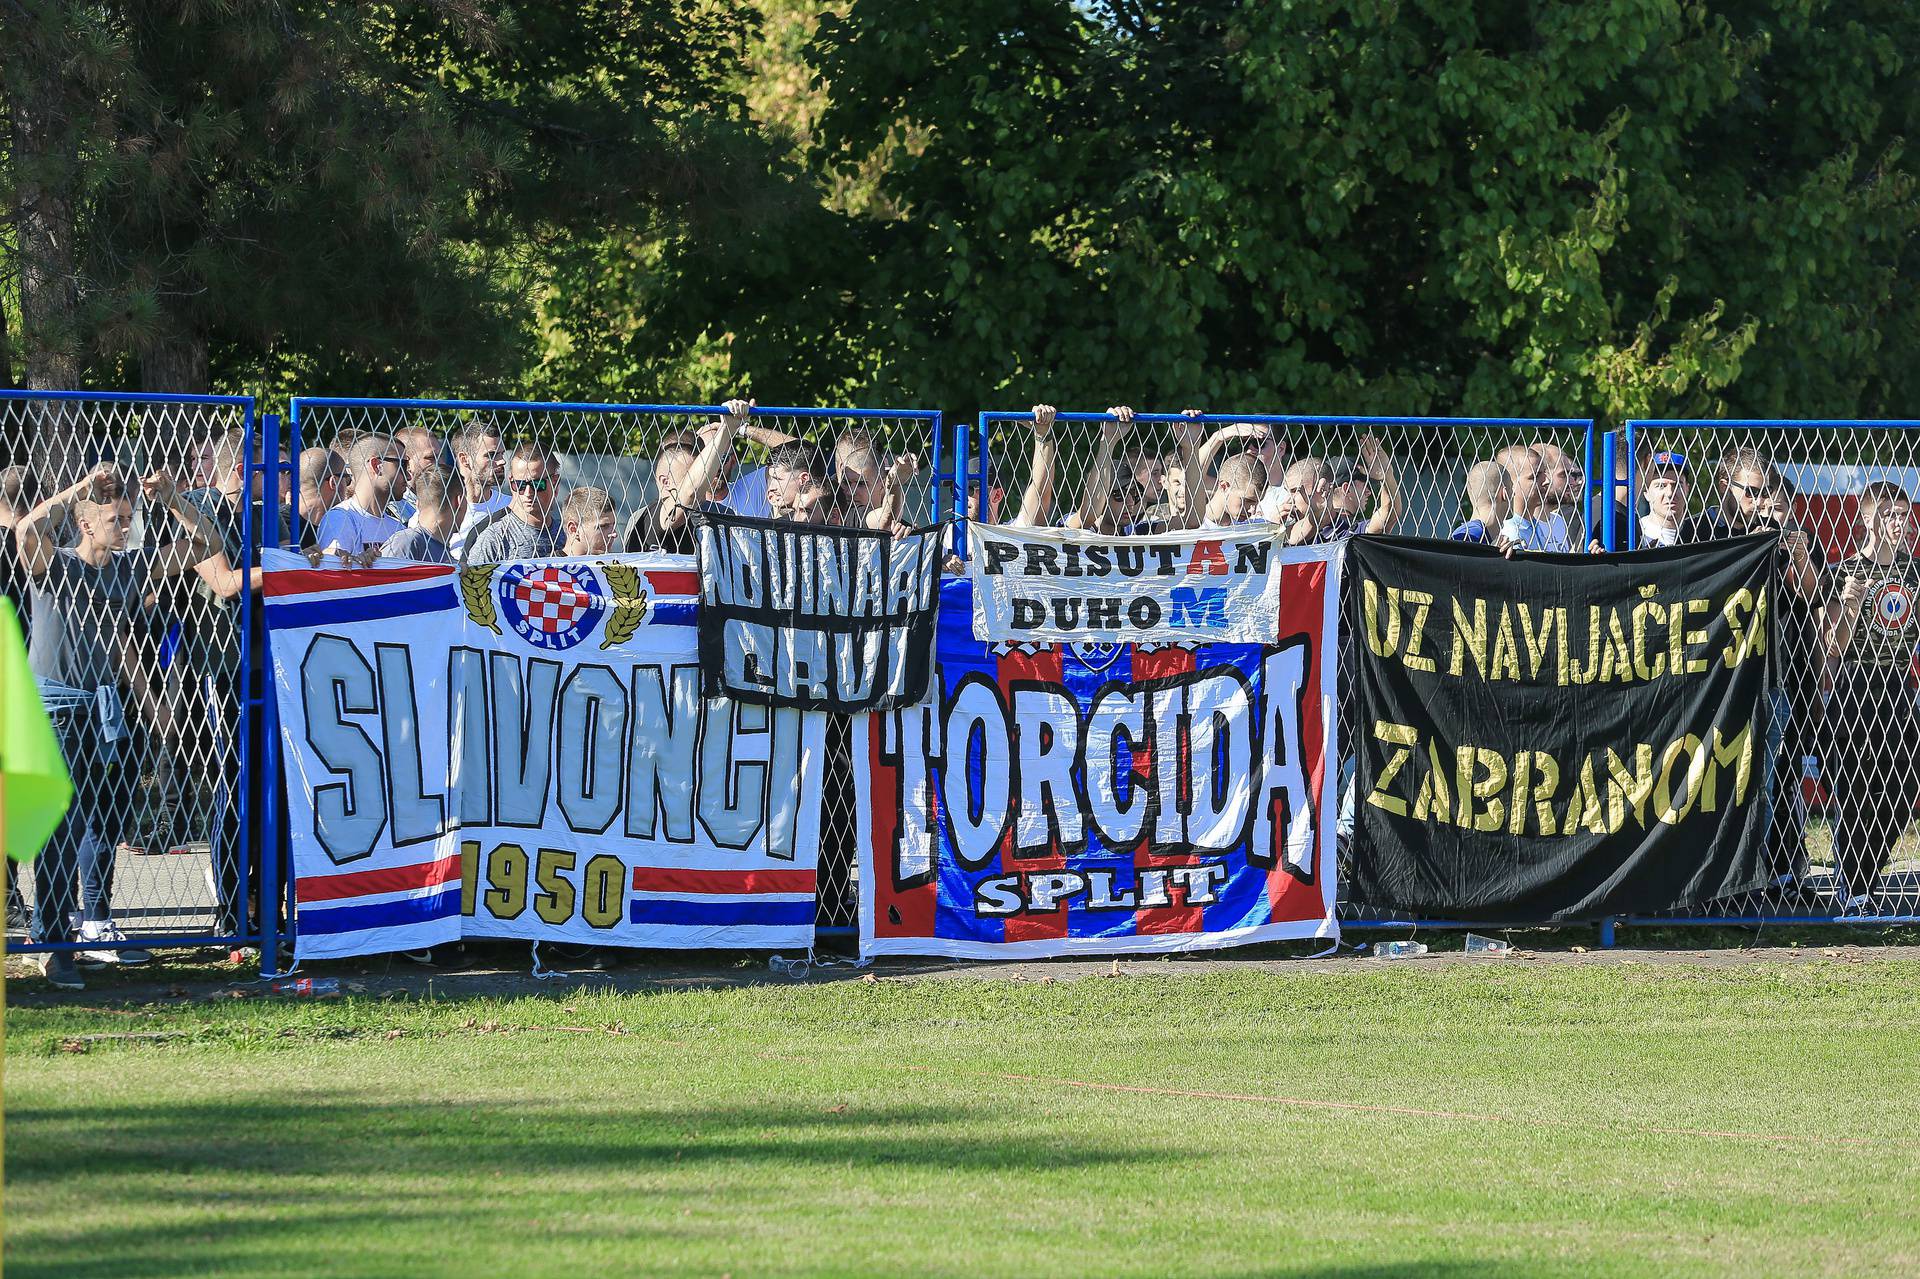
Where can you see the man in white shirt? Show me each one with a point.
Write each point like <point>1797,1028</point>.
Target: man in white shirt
<point>481,456</point>
<point>375,470</point>
<point>1666,490</point>
<point>1562,484</point>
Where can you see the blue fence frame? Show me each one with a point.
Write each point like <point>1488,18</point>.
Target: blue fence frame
<point>957,466</point>
<point>256,866</point>
<point>1629,438</point>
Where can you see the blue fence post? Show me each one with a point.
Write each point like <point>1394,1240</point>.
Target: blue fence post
<point>251,868</point>
<point>963,488</point>
<point>273,889</point>
<point>1633,490</point>
<point>934,477</point>
<point>1609,517</point>
<point>1591,482</point>
<point>1606,932</point>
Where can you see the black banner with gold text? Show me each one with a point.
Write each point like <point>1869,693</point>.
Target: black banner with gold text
<point>1558,737</point>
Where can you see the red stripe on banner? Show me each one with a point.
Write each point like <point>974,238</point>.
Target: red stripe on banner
<point>1303,607</point>
<point>302,581</point>
<point>1162,664</point>
<point>391,879</point>
<point>896,912</point>
<point>1045,666</point>
<point>660,879</point>
<point>673,582</point>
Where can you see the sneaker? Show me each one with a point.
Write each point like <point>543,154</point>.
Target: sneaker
<point>61,972</point>
<point>1859,904</point>
<point>105,930</point>
<point>450,957</point>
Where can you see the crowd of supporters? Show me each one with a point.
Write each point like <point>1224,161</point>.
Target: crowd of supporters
<point>129,585</point>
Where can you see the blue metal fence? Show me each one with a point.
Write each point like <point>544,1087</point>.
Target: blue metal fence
<point>161,826</point>
<point>1809,474</point>
<point>1823,464</point>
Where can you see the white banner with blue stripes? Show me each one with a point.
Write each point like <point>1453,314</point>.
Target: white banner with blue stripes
<point>521,750</point>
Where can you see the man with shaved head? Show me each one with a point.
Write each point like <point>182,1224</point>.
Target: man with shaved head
<point>1241,483</point>
<point>1561,484</point>
<point>320,471</point>
<point>421,447</point>
<point>1531,526</point>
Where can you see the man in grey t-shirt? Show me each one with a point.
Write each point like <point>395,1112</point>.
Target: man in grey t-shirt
<point>526,529</point>
<point>86,599</point>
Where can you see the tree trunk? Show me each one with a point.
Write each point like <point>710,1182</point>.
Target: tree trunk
<point>45,169</point>
<point>178,365</point>
<point>6,354</point>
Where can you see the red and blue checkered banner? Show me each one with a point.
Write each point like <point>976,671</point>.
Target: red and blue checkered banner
<point>1098,798</point>
<point>522,751</point>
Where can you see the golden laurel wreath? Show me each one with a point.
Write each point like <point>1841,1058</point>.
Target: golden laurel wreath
<point>630,603</point>
<point>476,589</point>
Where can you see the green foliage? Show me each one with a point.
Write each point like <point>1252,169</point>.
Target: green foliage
<point>1615,207</point>
<point>358,196</point>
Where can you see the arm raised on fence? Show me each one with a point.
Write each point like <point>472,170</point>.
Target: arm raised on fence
<point>1379,467</point>
<point>706,468</point>
<point>1097,492</point>
<point>1037,502</point>
<point>36,532</point>
<point>886,512</point>
<point>202,540</point>
<point>1200,465</point>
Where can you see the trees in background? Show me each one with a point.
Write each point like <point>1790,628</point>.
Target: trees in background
<point>340,196</point>
<point>1609,207</point>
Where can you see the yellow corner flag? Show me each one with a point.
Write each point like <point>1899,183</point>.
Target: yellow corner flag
<point>34,786</point>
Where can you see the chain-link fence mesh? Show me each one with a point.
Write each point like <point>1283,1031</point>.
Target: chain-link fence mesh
<point>125,548</point>
<point>1846,744</point>
<point>1404,475</point>
<point>1321,478</point>
<point>141,638</point>
<point>645,460</point>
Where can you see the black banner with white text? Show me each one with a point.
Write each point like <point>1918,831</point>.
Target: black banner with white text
<point>814,617</point>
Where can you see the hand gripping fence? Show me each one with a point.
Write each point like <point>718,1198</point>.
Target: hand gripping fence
<point>149,666</point>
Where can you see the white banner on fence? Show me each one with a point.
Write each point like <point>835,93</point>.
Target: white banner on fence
<point>521,750</point>
<point>1064,585</point>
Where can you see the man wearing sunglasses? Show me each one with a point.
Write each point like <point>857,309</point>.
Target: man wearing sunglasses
<point>1741,476</point>
<point>526,529</point>
<point>376,471</point>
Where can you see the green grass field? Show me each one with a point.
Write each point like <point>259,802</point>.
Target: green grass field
<point>1422,1119</point>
